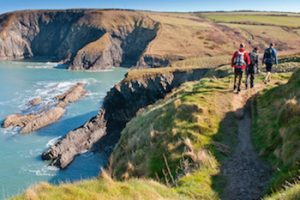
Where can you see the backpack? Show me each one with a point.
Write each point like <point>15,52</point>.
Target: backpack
<point>239,60</point>
<point>253,58</point>
<point>253,67</point>
<point>269,56</point>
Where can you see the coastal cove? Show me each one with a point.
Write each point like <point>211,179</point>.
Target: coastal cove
<point>21,164</point>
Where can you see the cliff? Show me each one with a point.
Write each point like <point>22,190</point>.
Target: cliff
<point>84,39</point>
<point>120,105</point>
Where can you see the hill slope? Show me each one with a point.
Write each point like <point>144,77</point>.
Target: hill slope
<point>277,135</point>
<point>99,39</point>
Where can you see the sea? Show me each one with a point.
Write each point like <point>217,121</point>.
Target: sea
<point>21,165</point>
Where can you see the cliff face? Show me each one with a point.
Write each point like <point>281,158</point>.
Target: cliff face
<point>85,39</point>
<point>120,106</point>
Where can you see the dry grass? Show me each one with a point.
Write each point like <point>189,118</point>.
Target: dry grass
<point>255,18</point>
<point>97,46</point>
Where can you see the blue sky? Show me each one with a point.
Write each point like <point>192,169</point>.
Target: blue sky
<point>156,5</point>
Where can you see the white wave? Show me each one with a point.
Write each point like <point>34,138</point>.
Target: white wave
<point>31,153</point>
<point>47,65</point>
<point>52,141</point>
<point>44,171</point>
<point>47,90</point>
<point>40,66</point>
<point>11,130</point>
<point>87,154</point>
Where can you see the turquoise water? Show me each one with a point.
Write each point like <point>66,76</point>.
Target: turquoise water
<point>20,162</point>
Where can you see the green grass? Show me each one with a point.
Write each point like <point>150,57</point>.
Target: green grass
<point>102,188</point>
<point>288,21</point>
<point>277,130</point>
<point>291,193</point>
<point>182,128</point>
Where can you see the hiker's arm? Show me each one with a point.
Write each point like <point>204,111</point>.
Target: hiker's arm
<point>275,55</point>
<point>257,63</point>
<point>248,60</point>
<point>232,59</point>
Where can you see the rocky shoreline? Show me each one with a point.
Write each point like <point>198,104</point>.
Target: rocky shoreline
<point>120,105</point>
<point>46,114</point>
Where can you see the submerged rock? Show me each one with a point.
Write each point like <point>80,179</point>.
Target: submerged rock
<point>47,114</point>
<point>36,101</point>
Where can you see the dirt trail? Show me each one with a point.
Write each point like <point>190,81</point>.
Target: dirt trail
<point>247,174</point>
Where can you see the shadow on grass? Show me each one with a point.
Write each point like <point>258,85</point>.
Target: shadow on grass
<point>227,135</point>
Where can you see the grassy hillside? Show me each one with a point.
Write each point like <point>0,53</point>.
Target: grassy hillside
<point>261,28</point>
<point>102,188</point>
<point>275,19</point>
<point>173,141</point>
<point>277,135</point>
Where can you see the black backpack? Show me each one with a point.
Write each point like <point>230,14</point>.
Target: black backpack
<point>253,58</point>
<point>269,56</point>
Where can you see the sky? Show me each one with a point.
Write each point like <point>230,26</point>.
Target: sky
<point>155,5</point>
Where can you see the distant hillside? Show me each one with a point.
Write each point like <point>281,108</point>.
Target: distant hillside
<point>100,39</point>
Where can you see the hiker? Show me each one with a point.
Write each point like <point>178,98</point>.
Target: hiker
<point>239,61</point>
<point>269,59</point>
<point>252,68</point>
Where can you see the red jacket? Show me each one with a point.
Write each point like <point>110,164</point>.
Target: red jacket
<point>246,58</point>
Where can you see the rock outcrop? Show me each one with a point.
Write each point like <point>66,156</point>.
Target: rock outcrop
<point>83,39</point>
<point>73,94</point>
<point>47,114</point>
<point>120,105</point>
<point>43,119</point>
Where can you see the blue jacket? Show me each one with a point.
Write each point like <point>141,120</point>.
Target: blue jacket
<point>273,59</point>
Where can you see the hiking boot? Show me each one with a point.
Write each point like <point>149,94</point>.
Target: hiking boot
<point>246,87</point>
<point>234,87</point>
<point>239,89</point>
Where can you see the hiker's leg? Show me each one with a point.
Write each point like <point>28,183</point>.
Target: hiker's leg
<point>269,69</point>
<point>235,77</point>
<point>240,79</point>
<point>247,79</point>
<point>268,76</point>
<point>270,72</point>
<point>252,80</point>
